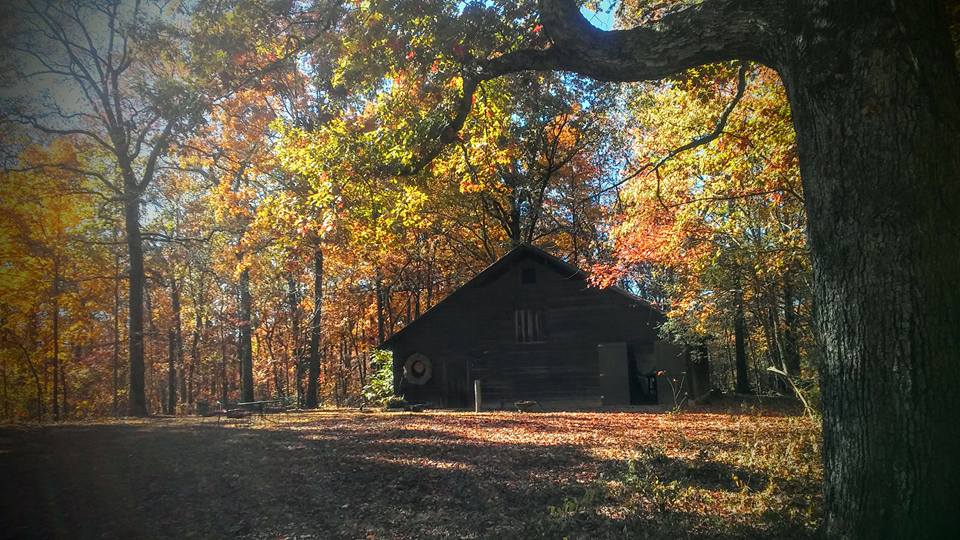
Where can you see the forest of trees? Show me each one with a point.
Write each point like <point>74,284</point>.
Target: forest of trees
<point>233,199</point>
<point>240,185</point>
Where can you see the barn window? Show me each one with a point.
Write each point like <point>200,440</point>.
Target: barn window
<point>528,276</point>
<point>528,325</point>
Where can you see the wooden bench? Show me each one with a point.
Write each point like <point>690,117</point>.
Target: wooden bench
<point>244,409</point>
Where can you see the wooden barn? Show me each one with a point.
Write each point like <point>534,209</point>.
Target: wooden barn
<point>529,328</point>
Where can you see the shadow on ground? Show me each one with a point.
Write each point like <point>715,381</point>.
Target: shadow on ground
<point>332,477</point>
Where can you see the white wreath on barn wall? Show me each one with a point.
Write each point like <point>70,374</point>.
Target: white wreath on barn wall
<point>417,369</point>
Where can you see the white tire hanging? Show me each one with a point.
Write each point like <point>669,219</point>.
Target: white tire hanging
<point>417,369</point>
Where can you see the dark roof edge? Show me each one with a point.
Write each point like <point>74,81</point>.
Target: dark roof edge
<point>486,271</point>
<point>510,255</point>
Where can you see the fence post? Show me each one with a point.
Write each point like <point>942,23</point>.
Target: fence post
<point>476,395</point>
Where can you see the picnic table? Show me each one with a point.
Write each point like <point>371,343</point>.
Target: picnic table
<point>245,408</point>
<point>260,407</point>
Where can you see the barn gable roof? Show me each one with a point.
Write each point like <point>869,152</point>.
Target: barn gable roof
<point>501,265</point>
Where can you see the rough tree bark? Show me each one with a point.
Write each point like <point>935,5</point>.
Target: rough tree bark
<point>876,105</point>
<point>875,96</point>
<point>137,398</point>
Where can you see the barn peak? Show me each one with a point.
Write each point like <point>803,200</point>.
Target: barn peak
<point>522,252</point>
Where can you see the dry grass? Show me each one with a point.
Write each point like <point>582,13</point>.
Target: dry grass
<point>418,475</point>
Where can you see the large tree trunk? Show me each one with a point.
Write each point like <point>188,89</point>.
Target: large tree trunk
<point>246,338</point>
<point>876,105</point>
<point>138,397</point>
<point>313,362</point>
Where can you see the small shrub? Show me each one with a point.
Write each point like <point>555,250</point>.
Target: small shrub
<point>379,389</point>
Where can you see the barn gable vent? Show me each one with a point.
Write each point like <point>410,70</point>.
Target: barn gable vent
<point>528,325</point>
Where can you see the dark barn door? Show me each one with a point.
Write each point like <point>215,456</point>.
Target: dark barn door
<point>614,375</point>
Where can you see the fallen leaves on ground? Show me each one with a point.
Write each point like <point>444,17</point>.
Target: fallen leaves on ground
<point>336,474</point>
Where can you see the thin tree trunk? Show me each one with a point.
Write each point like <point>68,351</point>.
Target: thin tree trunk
<point>38,384</point>
<point>178,335</point>
<point>429,298</point>
<point>175,353</point>
<point>6,398</point>
<point>194,352</point>
<point>767,310</point>
<point>246,338</point>
<point>224,386</point>
<point>791,351</point>
<point>32,332</point>
<point>313,362</point>
<point>171,372</point>
<point>65,407</point>
<point>159,387</point>
<point>378,290</point>
<point>293,304</point>
<point>391,318</point>
<point>116,335</point>
<point>740,346</point>
<point>416,303</point>
<point>56,341</point>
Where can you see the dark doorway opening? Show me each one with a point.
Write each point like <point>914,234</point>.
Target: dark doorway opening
<point>643,385</point>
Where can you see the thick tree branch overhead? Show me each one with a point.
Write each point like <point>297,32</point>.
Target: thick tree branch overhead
<point>702,33</point>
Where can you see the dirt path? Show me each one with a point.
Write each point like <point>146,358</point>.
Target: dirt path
<point>322,475</point>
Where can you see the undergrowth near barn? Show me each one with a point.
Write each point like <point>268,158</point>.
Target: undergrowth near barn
<point>337,474</point>
<point>756,477</point>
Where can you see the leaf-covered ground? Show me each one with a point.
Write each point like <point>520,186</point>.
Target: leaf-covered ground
<point>416,475</point>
